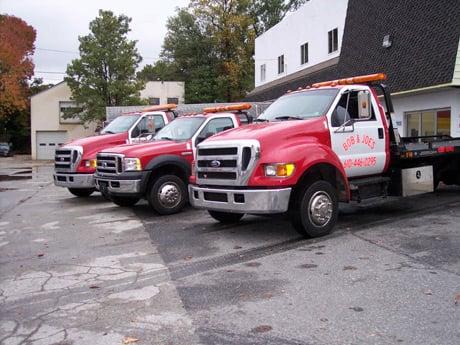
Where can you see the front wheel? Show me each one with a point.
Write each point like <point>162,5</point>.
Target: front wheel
<point>226,217</point>
<point>315,211</point>
<point>167,194</point>
<point>124,201</point>
<point>81,192</point>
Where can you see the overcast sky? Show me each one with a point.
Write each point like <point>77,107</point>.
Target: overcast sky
<point>60,22</point>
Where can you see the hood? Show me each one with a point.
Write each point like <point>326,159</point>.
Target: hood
<point>275,133</point>
<point>153,148</point>
<point>94,144</point>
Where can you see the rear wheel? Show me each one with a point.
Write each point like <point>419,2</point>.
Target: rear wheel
<point>226,217</point>
<point>124,201</point>
<point>167,194</point>
<point>315,211</point>
<point>81,192</point>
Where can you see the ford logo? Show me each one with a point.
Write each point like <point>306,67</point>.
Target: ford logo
<point>62,159</point>
<point>214,164</point>
<point>104,164</point>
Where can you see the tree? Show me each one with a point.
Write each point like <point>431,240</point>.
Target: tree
<point>267,13</point>
<point>16,67</point>
<point>105,73</point>
<point>161,70</point>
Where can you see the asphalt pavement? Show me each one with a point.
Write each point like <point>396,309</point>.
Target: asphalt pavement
<point>84,271</point>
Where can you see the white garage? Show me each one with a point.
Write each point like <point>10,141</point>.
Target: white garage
<point>48,141</point>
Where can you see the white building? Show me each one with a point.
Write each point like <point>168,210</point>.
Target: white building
<point>49,129</point>
<point>415,43</point>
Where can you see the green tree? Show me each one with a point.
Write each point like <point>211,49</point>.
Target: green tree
<point>160,70</point>
<point>105,73</point>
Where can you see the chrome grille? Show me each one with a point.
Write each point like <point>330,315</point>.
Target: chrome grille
<point>66,159</point>
<point>109,164</point>
<point>226,163</point>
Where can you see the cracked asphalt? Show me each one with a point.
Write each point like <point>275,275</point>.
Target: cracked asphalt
<point>84,271</point>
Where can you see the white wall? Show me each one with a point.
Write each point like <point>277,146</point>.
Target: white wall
<point>163,90</point>
<point>310,23</point>
<point>446,98</point>
<point>45,116</point>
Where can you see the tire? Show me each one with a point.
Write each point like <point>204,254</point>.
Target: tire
<point>226,217</point>
<point>167,194</point>
<point>105,194</point>
<point>81,192</point>
<point>324,196</point>
<point>124,201</point>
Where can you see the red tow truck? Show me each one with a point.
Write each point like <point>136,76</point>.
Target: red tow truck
<point>159,170</point>
<point>75,162</point>
<point>313,148</point>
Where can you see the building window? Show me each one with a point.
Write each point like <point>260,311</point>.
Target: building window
<point>304,53</point>
<point>263,72</point>
<point>172,100</point>
<point>69,112</point>
<point>428,122</point>
<point>280,64</point>
<point>154,101</point>
<point>333,40</point>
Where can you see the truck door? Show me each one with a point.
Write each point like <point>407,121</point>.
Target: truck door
<point>357,134</point>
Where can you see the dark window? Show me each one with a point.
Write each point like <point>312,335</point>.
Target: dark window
<point>333,40</point>
<point>304,53</point>
<point>173,100</point>
<point>215,126</point>
<point>280,64</point>
<point>154,101</point>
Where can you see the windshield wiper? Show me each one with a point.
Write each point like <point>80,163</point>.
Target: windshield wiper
<point>261,120</point>
<point>166,138</point>
<point>108,132</point>
<point>288,117</point>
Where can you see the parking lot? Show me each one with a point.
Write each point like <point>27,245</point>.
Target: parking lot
<point>84,271</point>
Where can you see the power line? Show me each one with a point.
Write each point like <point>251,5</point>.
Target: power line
<point>77,53</point>
<point>50,72</point>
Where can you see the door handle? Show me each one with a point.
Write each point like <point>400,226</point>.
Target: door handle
<point>380,133</point>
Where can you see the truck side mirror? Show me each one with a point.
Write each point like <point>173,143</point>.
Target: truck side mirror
<point>364,105</point>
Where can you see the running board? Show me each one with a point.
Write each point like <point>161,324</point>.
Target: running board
<point>369,187</point>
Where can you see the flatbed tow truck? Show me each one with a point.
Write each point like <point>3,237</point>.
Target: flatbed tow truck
<point>330,142</point>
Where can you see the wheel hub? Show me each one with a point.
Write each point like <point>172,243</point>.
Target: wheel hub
<point>320,208</point>
<point>169,195</point>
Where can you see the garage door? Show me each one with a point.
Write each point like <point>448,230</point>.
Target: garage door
<point>47,142</point>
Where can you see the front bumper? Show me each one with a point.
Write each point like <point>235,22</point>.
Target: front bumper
<point>126,184</point>
<point>74,180</point>
<point>254,201</point>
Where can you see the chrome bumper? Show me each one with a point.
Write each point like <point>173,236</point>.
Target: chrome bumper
<point>74,180</point>
<point>255,201</point>
<point>119,186</point>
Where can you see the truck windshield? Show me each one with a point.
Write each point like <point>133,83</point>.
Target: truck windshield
<point>300,106</point>
<point>120,124</point>
<point>182,128</point>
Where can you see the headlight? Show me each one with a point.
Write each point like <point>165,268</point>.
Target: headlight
<point>132,164</point>
<point>279,169</point>
<point>90,163</point>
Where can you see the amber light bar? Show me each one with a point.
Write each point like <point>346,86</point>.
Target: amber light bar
<point>220,109</point>
<point>160,107</point>
<point>353,80</point>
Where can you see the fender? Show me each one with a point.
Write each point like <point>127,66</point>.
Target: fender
<point>163,160</point>
<point>305,156</point>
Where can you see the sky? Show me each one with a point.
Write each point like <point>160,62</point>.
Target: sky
<point>59,23</point>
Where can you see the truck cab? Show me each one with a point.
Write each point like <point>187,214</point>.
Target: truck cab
<point>159,170</point>
<point>330,142</point>
<point>75,162</point>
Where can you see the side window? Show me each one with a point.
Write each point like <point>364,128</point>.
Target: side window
<point>215,126</point>
<point>159,123</point>
<point>348,109</point>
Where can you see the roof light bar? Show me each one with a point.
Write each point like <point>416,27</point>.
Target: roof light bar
<point>220,109</point>
<point>160,107</point>
<point>362,79</point>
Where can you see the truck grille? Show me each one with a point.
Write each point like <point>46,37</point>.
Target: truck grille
<point>66,159</point>
<point>109,164</point>
<point>226,163</point>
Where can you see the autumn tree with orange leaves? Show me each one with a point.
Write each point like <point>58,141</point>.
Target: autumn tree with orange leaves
<point>16,67</point>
